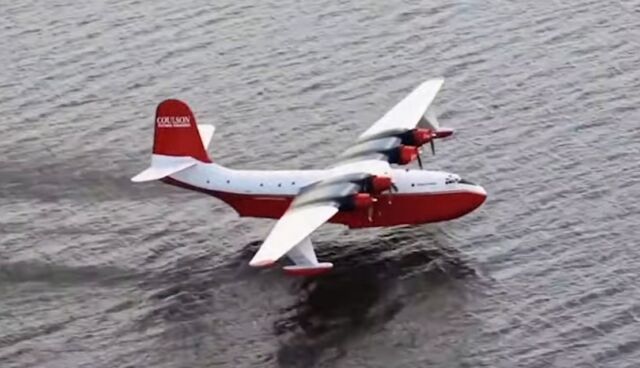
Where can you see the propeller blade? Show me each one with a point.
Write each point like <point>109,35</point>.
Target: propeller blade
<point>432,118</point>
<point>433,147</point>
<point>393,188</point>
<point>419,160</point>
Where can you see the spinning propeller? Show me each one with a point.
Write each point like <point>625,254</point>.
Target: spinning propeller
<point>433,132</point>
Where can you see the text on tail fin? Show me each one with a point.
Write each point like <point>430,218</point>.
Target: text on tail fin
<point>176,132</point>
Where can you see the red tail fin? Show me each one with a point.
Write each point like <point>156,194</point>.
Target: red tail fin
<point>176,132</point>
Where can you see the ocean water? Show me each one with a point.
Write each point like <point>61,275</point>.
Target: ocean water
<point>98,272</point>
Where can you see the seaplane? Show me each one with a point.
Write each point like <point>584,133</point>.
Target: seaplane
<point>369,185</point>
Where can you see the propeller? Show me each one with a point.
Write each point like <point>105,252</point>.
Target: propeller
<point>393,188</point>
<point>377,185</point>
<point>432,120</point>
<point>371,209</point>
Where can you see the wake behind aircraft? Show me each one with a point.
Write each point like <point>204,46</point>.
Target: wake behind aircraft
<point>362,189</point>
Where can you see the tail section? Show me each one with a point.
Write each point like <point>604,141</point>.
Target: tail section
<point>179,143</point>
<point>163,166</point>
<point>176,132</point>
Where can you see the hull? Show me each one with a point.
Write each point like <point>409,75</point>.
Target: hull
<point>389,210</point>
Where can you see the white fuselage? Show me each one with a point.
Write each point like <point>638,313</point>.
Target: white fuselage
<point>218,178</point>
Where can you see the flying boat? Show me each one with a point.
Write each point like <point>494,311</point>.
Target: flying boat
<point>369,184</point>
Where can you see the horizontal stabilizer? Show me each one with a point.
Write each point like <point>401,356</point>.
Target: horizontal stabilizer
<point>163,166</point>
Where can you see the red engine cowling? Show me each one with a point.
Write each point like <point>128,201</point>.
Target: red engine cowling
<point>380,183</point>
<point>443,133</point>
<point>421,136</point>
<point>407,154</point>
<point>356,201</point>
<point>362,200</point>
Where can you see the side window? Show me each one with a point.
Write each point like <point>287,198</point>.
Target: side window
<point>450,180</point>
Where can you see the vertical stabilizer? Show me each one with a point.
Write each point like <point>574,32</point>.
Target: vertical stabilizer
<point>176,132</point>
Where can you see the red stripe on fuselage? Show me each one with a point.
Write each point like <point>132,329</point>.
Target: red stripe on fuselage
<point>389,210</point>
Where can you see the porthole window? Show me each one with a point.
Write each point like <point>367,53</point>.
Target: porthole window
<point>293,183</point>
<point>228,181</point>
<point>279,184</point>
<point>207,181</point>
<point>413,185</point>
<point>261,184</point>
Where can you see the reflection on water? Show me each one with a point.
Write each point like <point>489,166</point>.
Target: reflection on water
<point>313,319</point>
<point>367,288</point>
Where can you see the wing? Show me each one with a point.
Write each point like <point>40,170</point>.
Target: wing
<point>313,206</point>
<point>292,228</point>
<point>317,203</point>
<point>408,112</point>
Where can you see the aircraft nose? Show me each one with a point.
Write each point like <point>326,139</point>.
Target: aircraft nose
<point>479,196</point>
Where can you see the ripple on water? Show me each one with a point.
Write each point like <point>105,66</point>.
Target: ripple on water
<point>99,272</point>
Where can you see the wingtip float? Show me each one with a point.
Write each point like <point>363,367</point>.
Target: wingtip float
<point>361,190</point>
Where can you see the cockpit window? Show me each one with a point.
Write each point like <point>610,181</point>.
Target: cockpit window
<point>451,180</point>
<point>454,179</point>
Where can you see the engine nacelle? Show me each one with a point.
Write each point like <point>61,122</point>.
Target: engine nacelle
<point>418,137</point>
<point>357,201</point>
<point>443,133</point>
<point>402,154</point>
<point>406,154</point>
<point>378,184</point>
<point>362,200</point>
